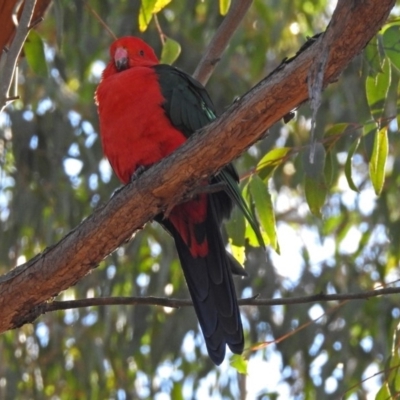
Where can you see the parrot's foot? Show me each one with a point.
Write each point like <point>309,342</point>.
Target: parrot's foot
<point>116,191</point>
<point>139,171</point>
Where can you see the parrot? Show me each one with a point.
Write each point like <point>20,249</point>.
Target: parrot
<point>146,111</point>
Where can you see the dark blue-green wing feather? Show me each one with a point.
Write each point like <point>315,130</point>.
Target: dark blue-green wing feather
<point>189,107</point>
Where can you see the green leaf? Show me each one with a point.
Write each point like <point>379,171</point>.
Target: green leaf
<point>240,201</point>
<point>147,9</point>
<point>236,227</point>
<point>376,89</point>
<point>314,181</point>
<point>263,204</point>
<point>377,163</point>
<point>239,252</point>
<point>398,106</point>
<point>314,166</point>
<point>348,165</point>
<point>369,131</point>
<point>160,4</point>
<point>254,237</point>
<point>224,6</point>
<point>177,391</point>
<point>336,130</point>
<point>170,51</point>
<point>394,376</point>
<point>316,191</point>
<point>330,168</point>
<point>391,44</point>
<point>383,393</point>
<point>34,53</point>
<point>146,13</point>
<point>239,363</point>
<point>373,57</point>
<point>271,160</point>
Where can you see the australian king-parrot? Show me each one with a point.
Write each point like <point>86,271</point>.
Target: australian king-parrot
<point>147,110</point>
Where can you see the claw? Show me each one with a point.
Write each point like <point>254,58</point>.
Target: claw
<point>139,171</point>
<point>116,191</point>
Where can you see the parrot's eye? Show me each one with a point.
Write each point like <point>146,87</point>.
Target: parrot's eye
<point>141,53</point>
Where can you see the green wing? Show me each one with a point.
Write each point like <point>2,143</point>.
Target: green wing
<point>189,108</point>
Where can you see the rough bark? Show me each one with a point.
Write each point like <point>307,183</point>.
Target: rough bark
<point>353,24</point>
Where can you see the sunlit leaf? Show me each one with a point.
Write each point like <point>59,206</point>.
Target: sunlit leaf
<point>252,238</point>
<point>239,252</point>
<point>398,120</point>
<point>160,4</point>
<point>239,363</point>
<point>177,391</point>
<point>394,376</point>
<point>348,165</point>
<point>250,235</point>
<point>34,53</point>
<point>265,210</point>
<point>391,44</point>
<point>253,233</point>
<point>224,6</point>
<point>147,9</point>
<point>170,51</point>
<point>271,160</point>
<point>146,13</point>
<point>377,163</point>
<point>376,88</point>
<point>383,393</point>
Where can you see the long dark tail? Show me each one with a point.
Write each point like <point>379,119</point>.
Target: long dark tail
<point>211,287</point>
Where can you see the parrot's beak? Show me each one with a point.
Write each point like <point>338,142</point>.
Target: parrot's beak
<point>121,59</point>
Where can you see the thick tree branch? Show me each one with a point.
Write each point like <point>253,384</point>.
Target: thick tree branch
<point>13,53</point>
<point>353,24</point>
<point>219,42</point>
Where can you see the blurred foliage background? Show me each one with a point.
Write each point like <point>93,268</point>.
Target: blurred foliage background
<point>52,175</point>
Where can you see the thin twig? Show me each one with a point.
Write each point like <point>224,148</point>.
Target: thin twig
<point>385,371</point>
<point>177,303</point>
<point>159,29</point>
<point>263,345</point>
<point>14,52</point>
<point>221,39</point>
<point>102,22</point>
<point>44,308</point>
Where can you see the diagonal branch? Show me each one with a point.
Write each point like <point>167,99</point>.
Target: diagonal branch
<point>219,42</point>
<point>13,53</point>
<point>353,24</point>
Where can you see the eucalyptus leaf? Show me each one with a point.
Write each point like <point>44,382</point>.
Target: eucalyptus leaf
<point>34,53</point>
